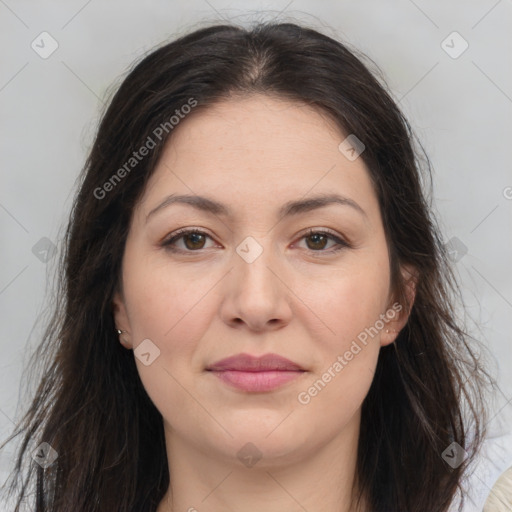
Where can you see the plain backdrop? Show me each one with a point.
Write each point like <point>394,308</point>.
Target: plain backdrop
<point>455,88</point>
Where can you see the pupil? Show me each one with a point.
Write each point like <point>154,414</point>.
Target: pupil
<point>194,237</point>
<point>315,240</point>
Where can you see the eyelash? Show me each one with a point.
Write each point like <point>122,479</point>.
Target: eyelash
<point>341,244</point>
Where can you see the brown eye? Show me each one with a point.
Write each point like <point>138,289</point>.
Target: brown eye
<point>316,241</point>
<point>319,241</point>
<point>192,240</point>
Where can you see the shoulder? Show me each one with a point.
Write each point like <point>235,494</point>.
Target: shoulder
<point>488,484</point>
<point>500,497</point>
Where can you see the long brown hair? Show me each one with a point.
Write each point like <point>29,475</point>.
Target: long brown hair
<point>91,406</point>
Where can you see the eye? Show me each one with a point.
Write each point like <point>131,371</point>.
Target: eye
<point>194,240</point>
<point>319,239</point>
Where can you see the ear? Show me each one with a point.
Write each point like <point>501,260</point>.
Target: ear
<point>398,311</point>
<point>121,320</point>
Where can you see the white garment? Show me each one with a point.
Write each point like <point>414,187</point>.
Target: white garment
<point>494,459</point>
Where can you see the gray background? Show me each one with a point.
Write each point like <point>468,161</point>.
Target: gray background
<point>459,107</point>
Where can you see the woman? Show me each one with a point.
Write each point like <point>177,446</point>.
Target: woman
<point>257,311</point>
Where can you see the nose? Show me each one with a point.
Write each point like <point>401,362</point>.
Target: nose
<point>256,295</point>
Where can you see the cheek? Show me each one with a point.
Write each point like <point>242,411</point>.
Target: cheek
<point>350,306</point>
<point>348,301</point>
<point>358,304</point>
<point>165,304</point>
<point>346,360</point>
<point>169,308</point>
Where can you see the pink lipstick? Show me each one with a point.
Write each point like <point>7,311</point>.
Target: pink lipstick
<point>256,374</point>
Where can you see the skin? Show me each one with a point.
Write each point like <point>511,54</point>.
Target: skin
<point>298,299</point>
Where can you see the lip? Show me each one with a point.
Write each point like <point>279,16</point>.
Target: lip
<point>256,374</point>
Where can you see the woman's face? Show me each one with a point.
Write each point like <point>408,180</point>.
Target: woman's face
<point>255,282</point>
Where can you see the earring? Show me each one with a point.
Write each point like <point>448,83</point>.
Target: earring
<point>392,330</point>
<point>123,342</point>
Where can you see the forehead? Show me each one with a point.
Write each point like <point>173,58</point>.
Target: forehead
<point>257,151</point>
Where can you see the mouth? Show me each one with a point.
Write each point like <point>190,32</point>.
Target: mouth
<point>256,374</point>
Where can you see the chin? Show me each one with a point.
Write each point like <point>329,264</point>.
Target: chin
<point>273,441</point>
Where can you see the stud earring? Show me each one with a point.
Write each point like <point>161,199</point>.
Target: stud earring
<point>392,330</point>
<point>123,341</point>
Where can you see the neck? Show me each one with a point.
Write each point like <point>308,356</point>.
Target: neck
<point>320,478</point>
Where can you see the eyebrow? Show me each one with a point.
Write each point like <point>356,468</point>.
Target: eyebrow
<point>290,208</point>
